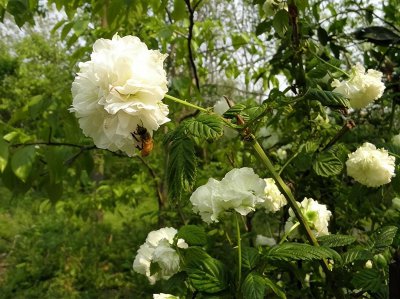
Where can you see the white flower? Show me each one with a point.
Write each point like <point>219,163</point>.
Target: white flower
<point>164,296</point>
<point>361,88</point>
<point>274,199</point>
<point>370,166</point>
<point>396,140</point>
<point>282,154</point>
<point>368,264</point>
<point>316,215</point>
<point>240,190</point>
<point>119,89</point>
<point>220,108</point>
<point>264,241</point>
<point>157,249</point>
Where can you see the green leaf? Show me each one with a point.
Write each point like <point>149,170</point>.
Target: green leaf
<point>322,36</point>
<point>300,251</point>
<point>356,254</point>
<point>328,98</point>
<point>3,154</point>
<point>327,164</point>
<point>383,237</point>
<point>281,22</point>
<point>181,164</point>
<point>336,240</point>
<point>193,235</point>
<point>368,279</point>
<point>206,274</point>
<point>179,11</point>
<point>254,286</point>
<point>275,288</point>
<point>21,162</point>
<point>263,27</point>
<point>205,126</point>
<point>234,111</point>
<point>250,257</point>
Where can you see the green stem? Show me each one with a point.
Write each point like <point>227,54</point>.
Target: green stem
<point>239,251</point>
<point>395,155</point>
<point>331,65</point>
<point>294,226</point>
<point>167,96</point>
<point>288,194</point>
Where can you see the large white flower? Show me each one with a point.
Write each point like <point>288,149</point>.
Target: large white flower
<point>370,166</point>
<point>361,88</point>
<point>316,215</point>
<point>157,249</point>
<point>240,190</point>
<point>119,89</point>
<point>274,199</point>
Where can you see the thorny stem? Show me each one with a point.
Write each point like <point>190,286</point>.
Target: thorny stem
<point>288,194</point>
<point>167,96</point>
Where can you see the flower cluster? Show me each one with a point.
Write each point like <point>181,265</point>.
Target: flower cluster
<point>370,166</point>
<point>316,215</point>
<point>361,88</point>
<point>241,190</point>
<point>157,249</point>
<point>119,89</point>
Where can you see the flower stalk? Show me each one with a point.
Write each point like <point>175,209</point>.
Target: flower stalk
<point>167,96</point>
<point>288,194</point>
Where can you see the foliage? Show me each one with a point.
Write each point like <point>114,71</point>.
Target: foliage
<point>72,216</point>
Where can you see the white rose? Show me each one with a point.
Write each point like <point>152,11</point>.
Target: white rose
<point>396,140</point>
<point>157,249</point>
<point>264,241</point>
<point>370,166</point>
<point>361,88</point>
<point>164,296</point>
<point>206,201</point>
<point>240,190</point>
<point>274,199</point>
<point>119,89</point>
<point>316,215</point>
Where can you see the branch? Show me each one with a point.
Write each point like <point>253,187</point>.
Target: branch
<point>189,39</point>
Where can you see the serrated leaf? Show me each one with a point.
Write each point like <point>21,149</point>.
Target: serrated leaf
<point>181,169</point>
<point>336,240</point>
<point>281,22</point>
<point>327,164</point>
<point>205,126</point>
<point>250,257</point>
<point>275,288</point>
<point>384,236</point>
<point>206,274</point>
<point>234,111</point>
<point>368,280</point>
<point>3,154</point>
<point>328,98</point>
<point>193,235</point>
<point>22,161</point>
<point>254,286</point>
<point>299,251</point>
<point>356,254</point>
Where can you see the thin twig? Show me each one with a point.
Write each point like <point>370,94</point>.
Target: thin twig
<point>189,41</point>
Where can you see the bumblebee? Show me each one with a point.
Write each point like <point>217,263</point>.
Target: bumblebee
<point>146,140</point>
